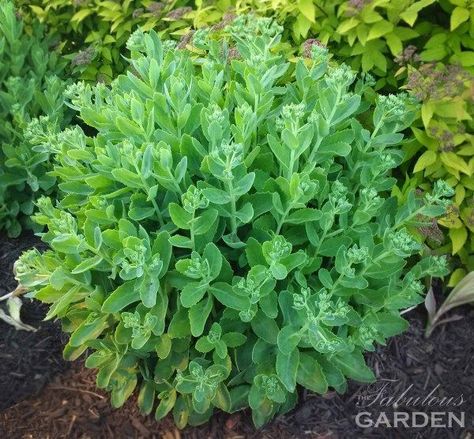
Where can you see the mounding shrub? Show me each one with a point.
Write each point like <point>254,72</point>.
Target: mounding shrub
<point>225,231</point>
<point>29,87</point>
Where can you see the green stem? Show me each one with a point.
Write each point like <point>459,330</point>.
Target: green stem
<point>191,232</point>
<point>333,112</point>
<point>407,219</point>
<point>282,219</point>
<point>320,243</point>
<point>311,161</point>
<point>233,207</point>
<point>147,191</point>
<point>291,165</point>
<point>372,136</point>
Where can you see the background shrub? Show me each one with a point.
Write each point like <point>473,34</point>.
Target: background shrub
<point>444,148</point>
<point>93,33</point>
<point>225,231</point>
<point>29,88</point>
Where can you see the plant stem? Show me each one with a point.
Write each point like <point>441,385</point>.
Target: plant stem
<point>191,231</point>
<point>233,207</point>
<point>147,191</point>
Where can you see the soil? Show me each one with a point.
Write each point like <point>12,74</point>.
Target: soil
<point>71,407</point>
<point>28,360</point>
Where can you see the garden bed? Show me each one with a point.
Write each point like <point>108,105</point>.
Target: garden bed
<point>70,406</point>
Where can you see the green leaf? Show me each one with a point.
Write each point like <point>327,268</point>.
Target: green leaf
<point>167,402</point>
<point>216,196</point>
<point>244,185</point>
<point>287,368</point>
<point>234,339</point>
<point>127,178</point>
<point>192,294</point>
<point>389,324</point>
<point>222,398</point>
<point>179,216</point>
<point>352,365</point>
<point>204,222</point>
<point>146,397</point>
<point>121,297</point>
<point>304,215</point>
<point>88,330</point>
<point>265,328</point>
<point>288,339</point>
<point>66,243</point>
<point>225,294</point>
<point>213,255</point>
<point>198,315</point>
<point>87,264</point>
<point>147,162</point>
<point>310,374</point>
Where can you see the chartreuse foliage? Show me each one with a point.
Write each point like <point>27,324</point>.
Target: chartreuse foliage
<point>445,149</point>
<point>225,232</point>
<point>379,34</point>
<point>95,32</point>
<point>369,34</point>
<point>28,89</point>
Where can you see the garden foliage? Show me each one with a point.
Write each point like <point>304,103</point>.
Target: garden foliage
<point>29,88</point>
<point>94,33</point>
<point>445,149</point>
<point>372,35</point>
<point>226,231</point>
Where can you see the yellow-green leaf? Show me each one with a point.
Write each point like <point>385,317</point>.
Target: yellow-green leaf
<point>380,29</point>
<point>466,58</point>
<point>347,25</point>
<point>458,238</point>
<point>456,277</point>
<point>427,110</point>
<point>37,10</point>
<point>454,161</point>
<point>411,13</point>
<point>301,26</point>
<point>460,192</point>
<point>370,16</point>
<point>426,159</point>
<point>394,43</point>
<point>81,15</point>
<point>307,8</point>
<point>459,16</point>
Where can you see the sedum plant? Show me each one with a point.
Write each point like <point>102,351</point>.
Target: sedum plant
<point>225,232</point>
<point>29,88</point>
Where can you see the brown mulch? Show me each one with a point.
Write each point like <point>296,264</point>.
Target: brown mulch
<point>28,360</point>
<point>71,407</point>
